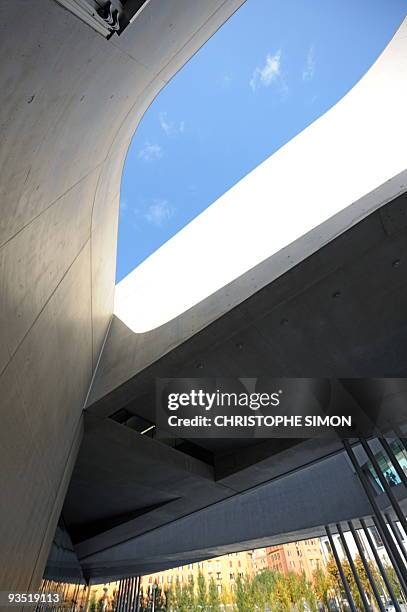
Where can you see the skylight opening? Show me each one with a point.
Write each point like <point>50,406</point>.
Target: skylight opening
<point>220,161</point>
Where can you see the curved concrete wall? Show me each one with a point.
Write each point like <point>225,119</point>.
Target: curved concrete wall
<point>70,102</point>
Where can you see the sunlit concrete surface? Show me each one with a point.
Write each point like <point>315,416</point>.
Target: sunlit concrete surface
<point>70,103</point>
<point>348,152</point>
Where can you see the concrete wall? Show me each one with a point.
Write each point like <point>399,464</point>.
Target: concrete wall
<point>70,102</point>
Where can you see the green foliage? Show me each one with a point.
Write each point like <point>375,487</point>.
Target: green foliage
<point>323,588</point>
<point>170,599</point>
<point>240,596</point>
<point>274,591</point>
<point>394,583</point>
<point>213,597</point>
<point>202,595</point>
<point>93,603</point>
<point>190,595</point>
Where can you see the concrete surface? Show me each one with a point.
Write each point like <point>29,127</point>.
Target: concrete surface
<point>70,103</point>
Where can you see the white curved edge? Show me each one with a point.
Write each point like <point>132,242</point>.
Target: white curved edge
<point>348,152</point>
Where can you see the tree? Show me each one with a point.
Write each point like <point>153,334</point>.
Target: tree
<point>180,604</point>
<point>282,600</point>
<point>227,598</point>
<point>170,599</point>
<point>202,595</point>
<point>394,583</point>
<point>337,582</point>
<point>367,587</point>
<point>322,587</point>
<point>240,595</point>
<point>213,597</point>
<point>189,591</point>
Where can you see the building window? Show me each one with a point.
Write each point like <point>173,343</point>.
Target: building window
<point>376,536</point>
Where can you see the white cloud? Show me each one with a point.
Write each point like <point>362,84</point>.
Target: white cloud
<point>150,152</point>
<point>309,68</point>
<point>170,127</point>
<point>268,73</point>
<point>226,80</point>
<point>159,212</point>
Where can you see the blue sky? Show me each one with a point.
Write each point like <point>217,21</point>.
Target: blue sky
<point>270,71</point>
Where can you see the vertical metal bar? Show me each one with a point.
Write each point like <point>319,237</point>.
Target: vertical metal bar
<point>122,595</point>
<point>380,566</point>
<point>55,589</point>
<point>138,594</point>
<point>393,459</point>
<point>389,551</point>
<point>133,593</point>
<point>116,605</point>
<point>353,567</point>
<point>70,594</point>
<point>385,484</point>
<point>73,598</point>
<point>61,587</point>
<point>129,594</point>
<point>76,597</point>
<point>379,521</point>
<point>87,595</point>
<point>81,594</point>
<point>400,436</point>
<point>119,595</point>
<point>132,589</point>
<point>63,590</point>
<point>397,535</point>
<point>66,590</point>
<point>42,591</point>
<point>126,596</point>
<point>83,597</point>
<point>359,546</point>
<point>340,570</point>
<point>116,597</point>
<point>123,601</point>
